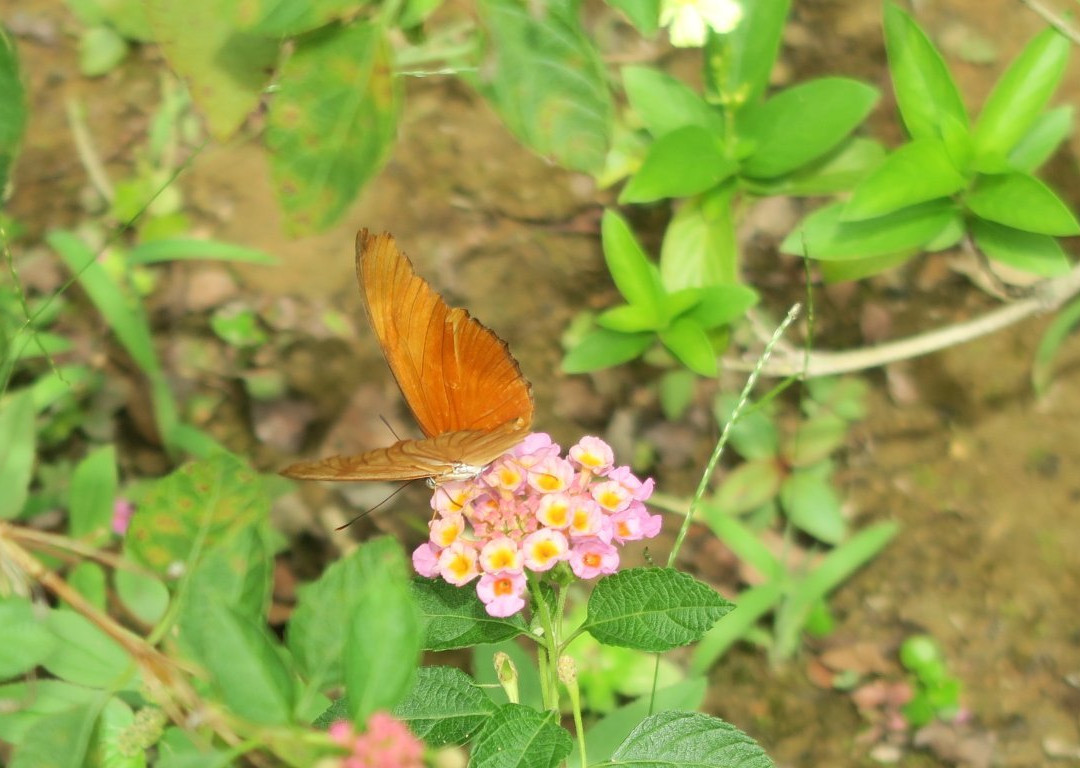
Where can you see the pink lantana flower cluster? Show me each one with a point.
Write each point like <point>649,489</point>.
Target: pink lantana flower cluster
<point>532,509</point>
<point>387,743</point>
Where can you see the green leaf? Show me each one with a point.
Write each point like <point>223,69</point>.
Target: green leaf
<point>1027,251</point>
<point>445,706</point>
<point>384,635</point>
<point>925,91</point>
<point>113,737</point>
<point>665,104</point>
<point>671,739</point>
<point>1019,96</point>
<point>634,275</point>
<point>840,170</point>
<point>101,49</point>
<point>143,595</point>
<point>457,619</point>
<point>857,269</point>
<point>652,609</point>
<point>13,115</point>
<point>754,435</point>
<point>1063,324</point>
<point>1021,201</point>
<point>244,665</point>
<point>226,70</point>
<point>823,235</point>
<point>748,486</point>
<point>676,392</point>
<point>547,81</point>
<point>813,507</point>
<point>914,173</point>
<point>815,439</point>
<point>88,579</point>
<point>192,248</point>
<point>688,341</point>
<point>17,449</point>
<point>520,736</point>
<point>643,14</point>
<point>744,542</point>
<point>59,740</point>
<point>288,18</point>
<point>603,348</point>
<point>86,655</point>
<point>751,605</point>
<point>699,247</point>
<point>1042,139</point>
<point>803,123</point>
<point>749,51</point>
<point>682,163</point>
<point>629,318</point>
<point>26,703</point>
<point>332,122</point>
<point>93,493</point>
<point>25,639</point>
<point>722,305</point>
<point>202,505</point>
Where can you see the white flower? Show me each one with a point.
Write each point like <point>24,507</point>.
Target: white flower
<point>690,20</point>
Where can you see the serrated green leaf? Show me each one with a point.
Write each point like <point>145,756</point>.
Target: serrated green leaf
<point>629,318</point>
<point>288,18</point>
<point>13,115</point>
<point>520,736</point>
<point>925,90</point>
<point>445,706</point>
<point>914,173</point>
<point>93,493</point>
<point>59,740</point>
<point>652,609</point>
<point>457,619</point>
<point>665,104</point>
<point>688,341</point>
<point>699,247</point>
<point>25,639</point>
<point>1064,323</point>
<point>1018,97</point>
<point>202,505</point>
<point>244,665</point>
<point>823,235</point>
<point>86,655</point>
<point>682,163</point>
<point>684,739</point>
<point>384,636</point>
<point>1021,201</point>
<point>1042,139</point>
<point>548,82</point>
<point>1037,254</point>
<point>226,70</point>
<point>603,348</point>
<point>332,122</point>
<point>749,51</point>
<point>803,123</point>
<point>813,507</point>
<point>17,448</point>
<point>748,486</point>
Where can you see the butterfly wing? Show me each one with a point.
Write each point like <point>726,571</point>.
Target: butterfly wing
<point>460,381</point>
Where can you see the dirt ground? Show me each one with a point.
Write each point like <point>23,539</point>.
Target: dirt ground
<point>982,476</point>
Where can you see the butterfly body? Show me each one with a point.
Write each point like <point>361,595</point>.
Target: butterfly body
<point>467,392</point>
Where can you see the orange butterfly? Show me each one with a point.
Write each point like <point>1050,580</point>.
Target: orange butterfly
<point>458,378</point>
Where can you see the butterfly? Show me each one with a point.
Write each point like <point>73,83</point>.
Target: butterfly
<point>466,391</point>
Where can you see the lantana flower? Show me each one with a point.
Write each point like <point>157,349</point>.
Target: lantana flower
<point>689,21</point>
<point>386,742</point>
<point>531,510</point>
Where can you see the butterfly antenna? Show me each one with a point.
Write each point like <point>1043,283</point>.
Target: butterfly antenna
<point>396,437</point>
<point>367,512</point>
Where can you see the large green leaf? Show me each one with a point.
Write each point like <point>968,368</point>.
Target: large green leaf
<point>689,739</point>
<point>635,276</point>
<point>332,121</point>
<point>803,123</point>
<point>665,104</point>
<point>699,247</point>
<point>519,736</point>
<point>93,493</point>
<point>1038,254</point>
<point>1021,201</point>
<point>445,706</point>
<point>749,51</point>
<point>688,341</point>
<point>604,348</point>
<point>1019,97</point>
<point>912,174</point>
<point>682,163</point>
<point>226,69</point>
<point>547,81</point>
<point>12,108</point>
<point>925,91</point>
<point>1042,139</point>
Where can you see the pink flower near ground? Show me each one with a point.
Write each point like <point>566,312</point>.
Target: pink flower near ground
<point>121,516</point>
<point>387,743</point>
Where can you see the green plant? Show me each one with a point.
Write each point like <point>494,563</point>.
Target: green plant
<point>936,693</point>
